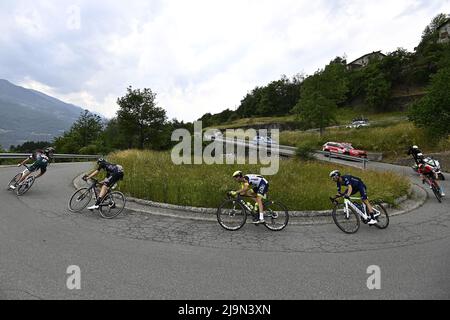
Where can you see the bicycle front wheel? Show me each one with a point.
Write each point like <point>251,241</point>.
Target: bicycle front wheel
<point>276,216</point>
<point>25,186</point>
<point>80,200</point>
<point>14,180</point>
<point>383,218</point>
<point>112,205</point>
<point>348,222</point>
<point>231,215</point>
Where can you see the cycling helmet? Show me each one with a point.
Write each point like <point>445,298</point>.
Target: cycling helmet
<point>415,147</point>
<point>49,151</point>
<point>335,173</point>
<point>101,161</point>
<point>237,174</point>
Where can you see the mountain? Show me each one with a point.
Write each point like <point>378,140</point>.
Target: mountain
<point>29,115</point>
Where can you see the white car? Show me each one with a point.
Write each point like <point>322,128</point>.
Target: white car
<point>358,124</point>
<point>263,140</point>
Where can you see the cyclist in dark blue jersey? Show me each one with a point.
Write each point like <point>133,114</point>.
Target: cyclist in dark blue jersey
<point>114,173</point>
<point>353,185</point>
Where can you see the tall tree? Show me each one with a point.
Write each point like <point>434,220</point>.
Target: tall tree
<point>320,96</point>
<point>433,111</point>
<point>83,134</point>
<point>139,117</point>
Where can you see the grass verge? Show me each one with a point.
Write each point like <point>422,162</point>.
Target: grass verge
<point>300,185</point>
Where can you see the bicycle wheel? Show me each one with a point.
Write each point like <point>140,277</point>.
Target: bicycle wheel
<point>14,180</point>
<point>231,215</point>
<point>436,192</point>
<point>383,218</point>
<point>348,223</point>
<point>276,216</point>
<point>112,205</point>
<point>25,186</point>
<point>80,200</point>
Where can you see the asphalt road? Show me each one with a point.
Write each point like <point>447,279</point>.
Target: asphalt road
<point>141,256</point>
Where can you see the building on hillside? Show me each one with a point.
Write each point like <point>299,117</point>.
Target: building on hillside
<point>444,32</point>
<point>364,60</point>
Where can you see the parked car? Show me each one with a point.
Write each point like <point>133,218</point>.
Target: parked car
<point>216,135</point>
<point>260,140</point>
<point>358,124</point>
<point>343,148</point>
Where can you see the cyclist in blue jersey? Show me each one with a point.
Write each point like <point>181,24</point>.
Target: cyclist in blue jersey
<point>114,173</point>
<point>353,185</point>
<point>254,186</point>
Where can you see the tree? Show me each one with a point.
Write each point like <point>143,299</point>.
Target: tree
<point>87,128</point>
<point>140,119</point>
<point>432,112</point>
<point>85,132</point>
<point>376,86</point>
<point>320,96</point>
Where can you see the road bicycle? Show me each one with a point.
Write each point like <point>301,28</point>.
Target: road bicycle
<point>349,214</point>
<point>25,185</point>
<point>233,213</point>
<point>434,186</point>
<point>111,206</point>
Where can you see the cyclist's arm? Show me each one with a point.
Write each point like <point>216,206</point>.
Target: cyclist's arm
<point>349,191</point>
<point>244,189</point>
<point>93,174</point>
<point>23,162</point>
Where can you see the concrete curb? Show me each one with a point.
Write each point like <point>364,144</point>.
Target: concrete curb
<point>417,197</point>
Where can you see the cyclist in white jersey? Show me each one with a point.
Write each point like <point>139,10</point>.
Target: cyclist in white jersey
<point>254,186</point>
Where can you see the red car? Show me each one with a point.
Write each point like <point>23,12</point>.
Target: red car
<point>344,148</point>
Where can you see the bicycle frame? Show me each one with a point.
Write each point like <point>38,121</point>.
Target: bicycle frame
<point>93,187</point>
<point>364,214</point>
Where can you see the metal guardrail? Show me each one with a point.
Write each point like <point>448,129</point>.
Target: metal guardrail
<point>289,151</point>
<point>332,155</point>
<point>56,156</point>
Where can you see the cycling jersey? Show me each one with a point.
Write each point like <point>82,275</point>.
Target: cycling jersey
<point>258,183</point>
<point>40,162</point>
<point>357,186</point>
<point>110,168</point>
<point>114,173</point>
<point>426,169</point>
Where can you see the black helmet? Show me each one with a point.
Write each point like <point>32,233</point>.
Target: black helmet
<point>49,151</point>
<point>101,161</point>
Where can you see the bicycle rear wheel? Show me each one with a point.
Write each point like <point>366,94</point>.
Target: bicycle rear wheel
<point>25,186</point>
<point>383,218</point>
<point>112,205</point>
<point>348,222</point>
<point>14,181</point>
<point>80,200</point>
<point>276,216</point>
<point>231,215</point>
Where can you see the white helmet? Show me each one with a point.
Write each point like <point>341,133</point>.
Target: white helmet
<point>335,173</point>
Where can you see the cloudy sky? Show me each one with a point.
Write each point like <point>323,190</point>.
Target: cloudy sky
<point>199,56</point>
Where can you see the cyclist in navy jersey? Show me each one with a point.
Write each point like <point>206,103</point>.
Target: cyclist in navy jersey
<point>353,185</point>
<point>114,173</point>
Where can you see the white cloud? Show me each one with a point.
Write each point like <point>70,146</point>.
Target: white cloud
<point>199,55</point>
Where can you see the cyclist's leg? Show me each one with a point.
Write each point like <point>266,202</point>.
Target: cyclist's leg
<point>25,174</point>
<point>43,171</point>
<point>260,195</point>
<point>365,199</point>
